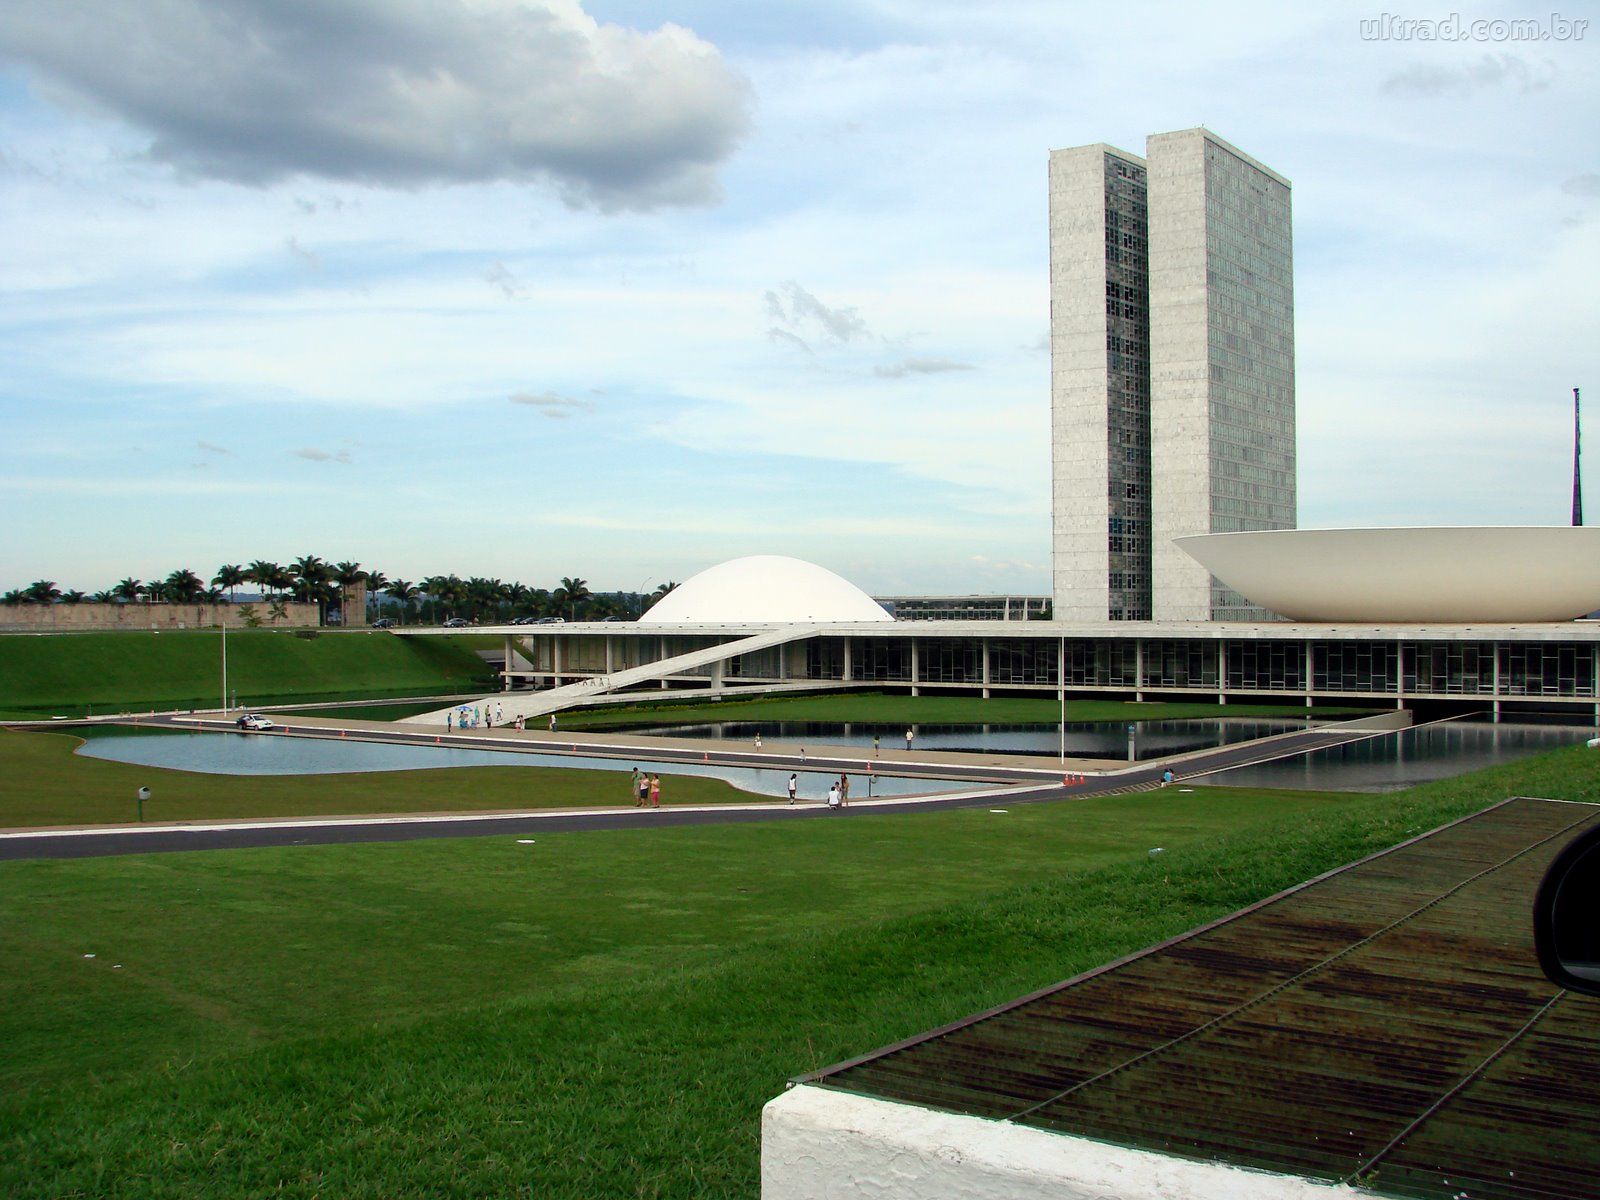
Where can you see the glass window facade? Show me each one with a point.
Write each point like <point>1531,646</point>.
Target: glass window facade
<point>1353,667</point>
<point>1023,662</point>
<point>1338,666</point>
<point>1259,665</point>
<point>1448,668</point>
<point>1180,664</point>
<point>1127,392</point>
<point>1546,670</point>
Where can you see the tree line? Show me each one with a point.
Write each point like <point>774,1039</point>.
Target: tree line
<point>310,580</point>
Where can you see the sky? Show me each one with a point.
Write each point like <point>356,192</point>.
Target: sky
<point>624,289</point>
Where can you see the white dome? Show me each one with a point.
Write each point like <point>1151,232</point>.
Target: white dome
<point>764,589</point>
<point>1462,575</point>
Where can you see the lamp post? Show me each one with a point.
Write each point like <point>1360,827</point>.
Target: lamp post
<point>224,663</point>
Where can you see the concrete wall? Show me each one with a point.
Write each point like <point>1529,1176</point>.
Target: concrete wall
<point>816,1142</point>
<point>1078,501</point>
<point>1221,361</point>
<point>83,618</point>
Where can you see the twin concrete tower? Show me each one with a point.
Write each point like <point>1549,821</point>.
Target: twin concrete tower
<point>1171,371</point>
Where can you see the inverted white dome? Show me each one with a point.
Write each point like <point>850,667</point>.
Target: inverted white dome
<point>764,589</point>
<point>1462,575</point>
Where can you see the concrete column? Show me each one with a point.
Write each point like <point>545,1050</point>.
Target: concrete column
<point>849,671</point>
<point>610,655</point>
<point>983,648</point>
<point>1138,668</point>
<point>1222,672</point>
<point>1399,674</point>
<point>916,673</point>
<point>555,660</point>
<point>505,677</point>
<point>1310,687</point>
<point>1495,686</point>
<point>719,672</point>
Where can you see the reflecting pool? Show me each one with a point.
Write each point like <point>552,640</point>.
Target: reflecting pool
<point>1085,739</point>
<point>1407,757</point>
<point>256,754</point>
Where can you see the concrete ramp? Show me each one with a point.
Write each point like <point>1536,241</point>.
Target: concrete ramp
<point>538,704</point>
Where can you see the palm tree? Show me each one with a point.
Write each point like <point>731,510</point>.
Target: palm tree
<point>376,582</point>
<point>517,596</point>
<point>573,593</point>
<point>310,574</point>
<point>404,592</point>
<point>264,575</point>
<point>282,580</point>
<point>74,597</point>
<point>129,590</point>
<point>313,582</point>
<point>655,597</point>
<point>346,575</point>
<point>485,595</point>
<point>108,596</point>
<point>183,586</point>
<point>214,595</point>
<point>447,591</point>
<point>14,598</point>
<point>230,576</point>
<point>42,591</point>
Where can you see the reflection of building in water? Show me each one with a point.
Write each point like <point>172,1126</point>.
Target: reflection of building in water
<point>1404,759</point>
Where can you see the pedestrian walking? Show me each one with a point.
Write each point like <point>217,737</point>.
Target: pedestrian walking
<point>875,739</point>
<point>447,717</point>
<point>910,733</point>
<point>499,712</point>
<point>552,722</point>
<point>655,791</point>
<point>633,787</point>
<point>758,742</point>
<point>794,785</point>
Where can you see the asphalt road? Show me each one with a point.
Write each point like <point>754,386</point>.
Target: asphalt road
<point>313,831</point>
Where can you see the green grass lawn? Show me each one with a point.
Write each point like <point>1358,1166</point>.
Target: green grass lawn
<point>889,709</point>
<point>71,674</point>
<point>591,1015</point>
<point>46,784</point>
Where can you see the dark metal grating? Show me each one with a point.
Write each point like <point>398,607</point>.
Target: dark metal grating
<point>1386,1025</point>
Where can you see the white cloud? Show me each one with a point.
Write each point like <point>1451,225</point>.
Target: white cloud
<point>792,306</point>
<point>399,94</point>
<point>919,366</point>
<point>551,404</point>
<point>1490,71</point>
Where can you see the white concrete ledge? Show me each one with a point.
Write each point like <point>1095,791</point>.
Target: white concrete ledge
<point>819,1143</point>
